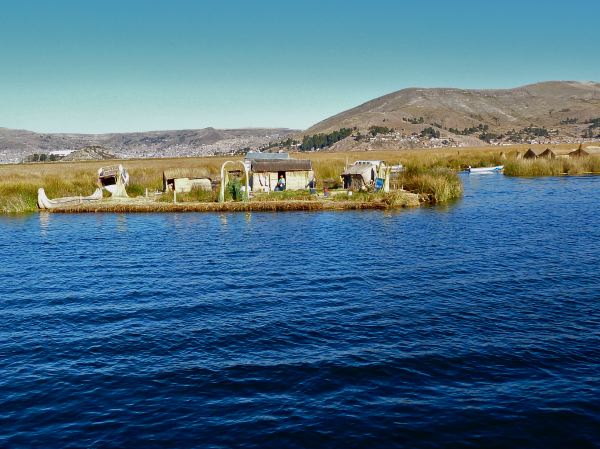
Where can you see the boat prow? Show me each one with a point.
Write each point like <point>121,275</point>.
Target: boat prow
<point>45,203</point>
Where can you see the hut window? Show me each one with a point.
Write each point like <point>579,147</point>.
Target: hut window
<point>280,174</point>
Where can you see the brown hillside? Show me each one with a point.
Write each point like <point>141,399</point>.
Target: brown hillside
<point>544,104</point>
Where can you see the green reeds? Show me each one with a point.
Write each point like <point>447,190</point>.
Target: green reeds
<point>286,195</point>
<point>17,198</point>
<point>196,195</point>
<point>436,185</point>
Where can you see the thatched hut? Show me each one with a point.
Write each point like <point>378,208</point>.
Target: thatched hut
<point>266,173</point>
<point>547,154</point>
<point>530,154</point>
<point>183,180</point>
<point>362,174</point>
<point>114,179</point>
<point>579,152</point>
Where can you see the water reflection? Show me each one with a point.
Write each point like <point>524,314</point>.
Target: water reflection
<point>122,223</point>
<point>223,220</point>
<point>44,219</point>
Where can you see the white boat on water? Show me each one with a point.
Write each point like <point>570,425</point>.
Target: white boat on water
<point>496,169</point>
<point>45,203</point>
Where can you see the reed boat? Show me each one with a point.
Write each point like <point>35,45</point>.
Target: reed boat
<point>45,203</point>
<point>496,169</point>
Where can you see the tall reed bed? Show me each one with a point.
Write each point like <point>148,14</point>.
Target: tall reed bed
<point>436,184</point>
<point>552,167</point>
<point>18,190</point>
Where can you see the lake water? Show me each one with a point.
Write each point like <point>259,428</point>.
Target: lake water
<point>471,325</point>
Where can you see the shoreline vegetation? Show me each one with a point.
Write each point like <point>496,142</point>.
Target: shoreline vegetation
<point>553,167</point>
<point>430,177</point>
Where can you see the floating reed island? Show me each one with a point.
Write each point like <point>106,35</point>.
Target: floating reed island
<point>389,200</point>
<point>257,183</point>
<point>194,184</point>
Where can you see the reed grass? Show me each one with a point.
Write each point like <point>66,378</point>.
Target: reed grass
<point>552,167</point>
<point>393,199</point>
<point>196,195</point>
<point>437,184</point>
<point>286,195</point>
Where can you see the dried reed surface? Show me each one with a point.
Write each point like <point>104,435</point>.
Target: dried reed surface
<point>251,206</point>
<point>19,183</point>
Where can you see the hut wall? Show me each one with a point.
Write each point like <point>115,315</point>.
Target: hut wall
<point>297,180</point>
<point>184,185</point>
<point>263,182</point>
<point>294,180</point>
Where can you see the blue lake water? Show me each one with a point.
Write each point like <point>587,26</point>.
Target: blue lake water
<point>470,325</point>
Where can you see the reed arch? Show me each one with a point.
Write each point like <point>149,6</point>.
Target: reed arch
<point>225,180</point>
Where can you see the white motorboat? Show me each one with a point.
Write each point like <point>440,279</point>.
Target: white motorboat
<point>496,169</point>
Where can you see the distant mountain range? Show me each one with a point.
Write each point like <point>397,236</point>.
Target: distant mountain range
<point>548,112</point>
<point>15,145</point>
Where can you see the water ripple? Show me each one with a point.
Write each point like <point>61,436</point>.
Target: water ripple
<point>473,325</point>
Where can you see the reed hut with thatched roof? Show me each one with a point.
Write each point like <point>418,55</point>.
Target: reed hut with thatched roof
<point>266,173</point>
<point>547,154</point>
<point>530,154</point>
<point>183,180</point>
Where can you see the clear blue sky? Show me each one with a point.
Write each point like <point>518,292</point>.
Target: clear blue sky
<point>132,65</point>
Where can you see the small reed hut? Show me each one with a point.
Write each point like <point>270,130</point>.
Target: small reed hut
<point>530,154</point>
<point>183,180</point>
<point>265,174</point>
<point>363,174</point>
<point>547,154</point>
<point>114,179</point>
